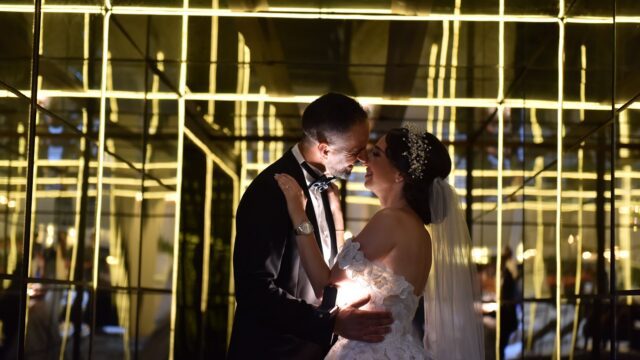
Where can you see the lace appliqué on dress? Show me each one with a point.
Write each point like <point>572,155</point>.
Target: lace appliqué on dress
<point>380,281</point>
<point>388,291</point>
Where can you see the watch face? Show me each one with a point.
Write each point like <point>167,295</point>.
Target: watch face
<point>305,228</point>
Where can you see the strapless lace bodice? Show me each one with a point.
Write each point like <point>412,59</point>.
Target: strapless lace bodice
<point>388,291</point>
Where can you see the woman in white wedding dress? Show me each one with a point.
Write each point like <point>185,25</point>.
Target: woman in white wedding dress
<point>395,260</point>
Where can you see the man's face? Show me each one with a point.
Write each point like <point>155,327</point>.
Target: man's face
<point>344,150</point>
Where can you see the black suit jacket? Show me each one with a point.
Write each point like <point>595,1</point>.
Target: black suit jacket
<point>276,315</point>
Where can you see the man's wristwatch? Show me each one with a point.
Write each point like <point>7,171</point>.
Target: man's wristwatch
<point>328,306</point>
<point>306,228</point>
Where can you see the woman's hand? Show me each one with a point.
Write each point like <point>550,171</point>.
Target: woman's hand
<point>296,200</point>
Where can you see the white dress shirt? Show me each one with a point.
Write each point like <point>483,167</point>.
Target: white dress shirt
<point>316,200</point>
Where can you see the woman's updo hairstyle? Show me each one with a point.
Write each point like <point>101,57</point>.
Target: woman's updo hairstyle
<point>421,158</point>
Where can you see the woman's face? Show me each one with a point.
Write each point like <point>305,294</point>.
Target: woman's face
<point>381,174</point>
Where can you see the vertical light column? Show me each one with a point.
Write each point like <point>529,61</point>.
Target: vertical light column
<point>452,85</point>
<point>106,14</point>
<point>442,72</point>
<point>182,89</point>
<point>213,62</point>
<point>113,101</point>
<point>260,127</point>
<point>206,251</point>
<point>500,109</point>
<point>560,130</point>
<point>538,260</point>
<point>576,311</point>
<point>431,74</point>
<point>242,87</point>
<point>624,233</point>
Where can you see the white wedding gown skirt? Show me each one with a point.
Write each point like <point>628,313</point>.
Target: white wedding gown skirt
<point>389,292</point>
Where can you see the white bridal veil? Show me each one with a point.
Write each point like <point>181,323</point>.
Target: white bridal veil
<point>453,320</point>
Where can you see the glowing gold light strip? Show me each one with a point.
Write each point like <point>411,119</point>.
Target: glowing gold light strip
<point>441,75</point>
<point>272,130</point>
<point>92,164</point>
<point>260,128</point>
<point>452,85</point>
<point>431,74</point>
<point>206,253</point>
<point>559,163</point>
<point>182,88</point>
<point>213,61</point>
<point>625,216</point>
<point>279,132</point>
<point>34,187</point>
<point>548,193</point>
<point>244,73</point>
<point>499,207</point>
<point>249,97</point>
<point>113,101</point>
<point>101,137</point>
<point>124,180</point>
<point>319,13</point>
<point>328,10</point>
<point>576,312</point>
<point>538,262</point>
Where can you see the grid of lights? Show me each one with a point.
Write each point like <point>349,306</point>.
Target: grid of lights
<point>435,99</point>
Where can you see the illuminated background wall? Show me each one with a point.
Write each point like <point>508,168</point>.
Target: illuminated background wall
<point>130,128</point>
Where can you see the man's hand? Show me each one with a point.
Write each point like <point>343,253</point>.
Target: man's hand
<point>362,325</point>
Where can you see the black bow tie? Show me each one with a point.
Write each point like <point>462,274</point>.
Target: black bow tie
<point>322,183</point>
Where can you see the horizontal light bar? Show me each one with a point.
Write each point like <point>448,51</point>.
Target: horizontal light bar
<point>92,164</point>
<point>45,181</point>
<point>313,13</point>
<point>419,102</point>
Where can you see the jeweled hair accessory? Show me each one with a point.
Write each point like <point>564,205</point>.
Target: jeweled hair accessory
<point>418,151</point>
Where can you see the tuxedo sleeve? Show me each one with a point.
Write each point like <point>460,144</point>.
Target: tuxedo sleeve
<point>262,231</point>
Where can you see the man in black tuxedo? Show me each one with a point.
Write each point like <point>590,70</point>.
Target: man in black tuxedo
<point>277,314</point>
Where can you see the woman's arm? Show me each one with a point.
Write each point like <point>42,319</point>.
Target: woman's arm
<point>336,211</point>
<point>317,270</point>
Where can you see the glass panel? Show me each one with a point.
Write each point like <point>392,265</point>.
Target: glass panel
<point>585,236</point>
<point>589,8</point>
<point>62,165</point>
<point>531,61</point>
<point>627,252</point>
<point>115,324</point>
<point>17,35</point>
<point>523,7</point>
<point>120,224</point>
<point>68,60</point>
<point>9,317</point>
<point>628,326</point>
<point>13,167</point>
<point>538,338</point>
<point>128,45</point>
<point>582,319</point>
<point>153,323</point>
<point>54,313</point>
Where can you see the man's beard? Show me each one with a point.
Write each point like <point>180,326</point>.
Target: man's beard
<point>342,173</point>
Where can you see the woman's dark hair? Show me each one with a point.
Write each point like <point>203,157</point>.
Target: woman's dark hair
<point>331,113</point>
<point>436,164</point>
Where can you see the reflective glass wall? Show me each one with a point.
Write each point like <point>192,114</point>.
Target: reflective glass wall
<point>130,130</point>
